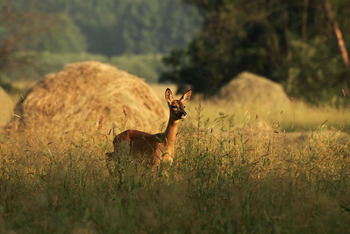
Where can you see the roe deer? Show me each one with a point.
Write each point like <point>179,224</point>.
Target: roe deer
<point>153,148</point>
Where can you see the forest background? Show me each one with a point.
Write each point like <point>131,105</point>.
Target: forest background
<point>300,44</point>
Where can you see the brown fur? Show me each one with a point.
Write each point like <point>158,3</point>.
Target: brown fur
<point>154,148</point>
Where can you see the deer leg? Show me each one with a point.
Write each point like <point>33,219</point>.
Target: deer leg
<point>114,156</point>
<point>124,136</point>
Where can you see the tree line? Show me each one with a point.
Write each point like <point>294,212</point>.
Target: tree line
<point>40,36</point>
<point>299,43</point>
<point>110,27</point>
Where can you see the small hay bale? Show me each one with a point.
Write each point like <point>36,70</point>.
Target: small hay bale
<point>89,96</point>
<point>248,88</point>
<point>6,107</point>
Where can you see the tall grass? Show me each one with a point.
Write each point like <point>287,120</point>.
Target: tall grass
<point>228,176</point>
<point>296,116</point>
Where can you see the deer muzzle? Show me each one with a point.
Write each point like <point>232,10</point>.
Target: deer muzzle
<point>183,115</point>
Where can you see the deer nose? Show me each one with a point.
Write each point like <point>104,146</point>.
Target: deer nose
<point>183,115</point>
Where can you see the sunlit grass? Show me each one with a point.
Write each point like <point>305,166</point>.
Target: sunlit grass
<point>297,116</point>
<point>236,170</point>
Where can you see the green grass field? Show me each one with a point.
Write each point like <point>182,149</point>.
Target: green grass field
<point>237,169</point>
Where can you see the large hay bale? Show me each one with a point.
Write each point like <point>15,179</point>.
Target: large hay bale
<point>248,88</point>
<point>6,107</point>
<point>87,96</point>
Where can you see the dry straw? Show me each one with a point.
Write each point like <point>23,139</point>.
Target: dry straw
<point>6,107</point>
<point>256,97</point>
<point>87,96</point>
<point>251,89</point>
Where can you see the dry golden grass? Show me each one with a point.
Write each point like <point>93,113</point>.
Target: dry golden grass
<point>296,116</point>
<point>226,177</point>
<point>238,169</point>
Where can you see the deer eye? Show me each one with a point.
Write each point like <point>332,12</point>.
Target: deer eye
<point>174,107</point>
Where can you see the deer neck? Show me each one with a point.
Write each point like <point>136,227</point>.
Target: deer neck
<point>170,132</point>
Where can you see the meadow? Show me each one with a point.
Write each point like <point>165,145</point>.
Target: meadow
<point>238,169</point>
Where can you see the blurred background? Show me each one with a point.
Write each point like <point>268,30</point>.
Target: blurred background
<point>301,44</point>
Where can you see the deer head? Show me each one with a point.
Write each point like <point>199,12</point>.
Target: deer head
<point>177,107</point>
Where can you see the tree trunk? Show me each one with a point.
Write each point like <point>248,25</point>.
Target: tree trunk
<point>338,34</point>
<point>304,24</point>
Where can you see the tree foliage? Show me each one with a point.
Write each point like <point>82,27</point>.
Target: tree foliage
<point>36,30</point>
<point>114,27</point>
<point>291,42</point>
<point>15,27</point>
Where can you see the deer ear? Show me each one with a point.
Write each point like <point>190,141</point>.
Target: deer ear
<point>169,96</point>
<point>186,97</point>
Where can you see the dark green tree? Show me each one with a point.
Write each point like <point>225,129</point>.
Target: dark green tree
<point>291,42</point>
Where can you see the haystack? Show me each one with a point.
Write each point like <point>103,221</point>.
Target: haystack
<point>248,88</point>
<point>89,96</point>
<point>6,107</point>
